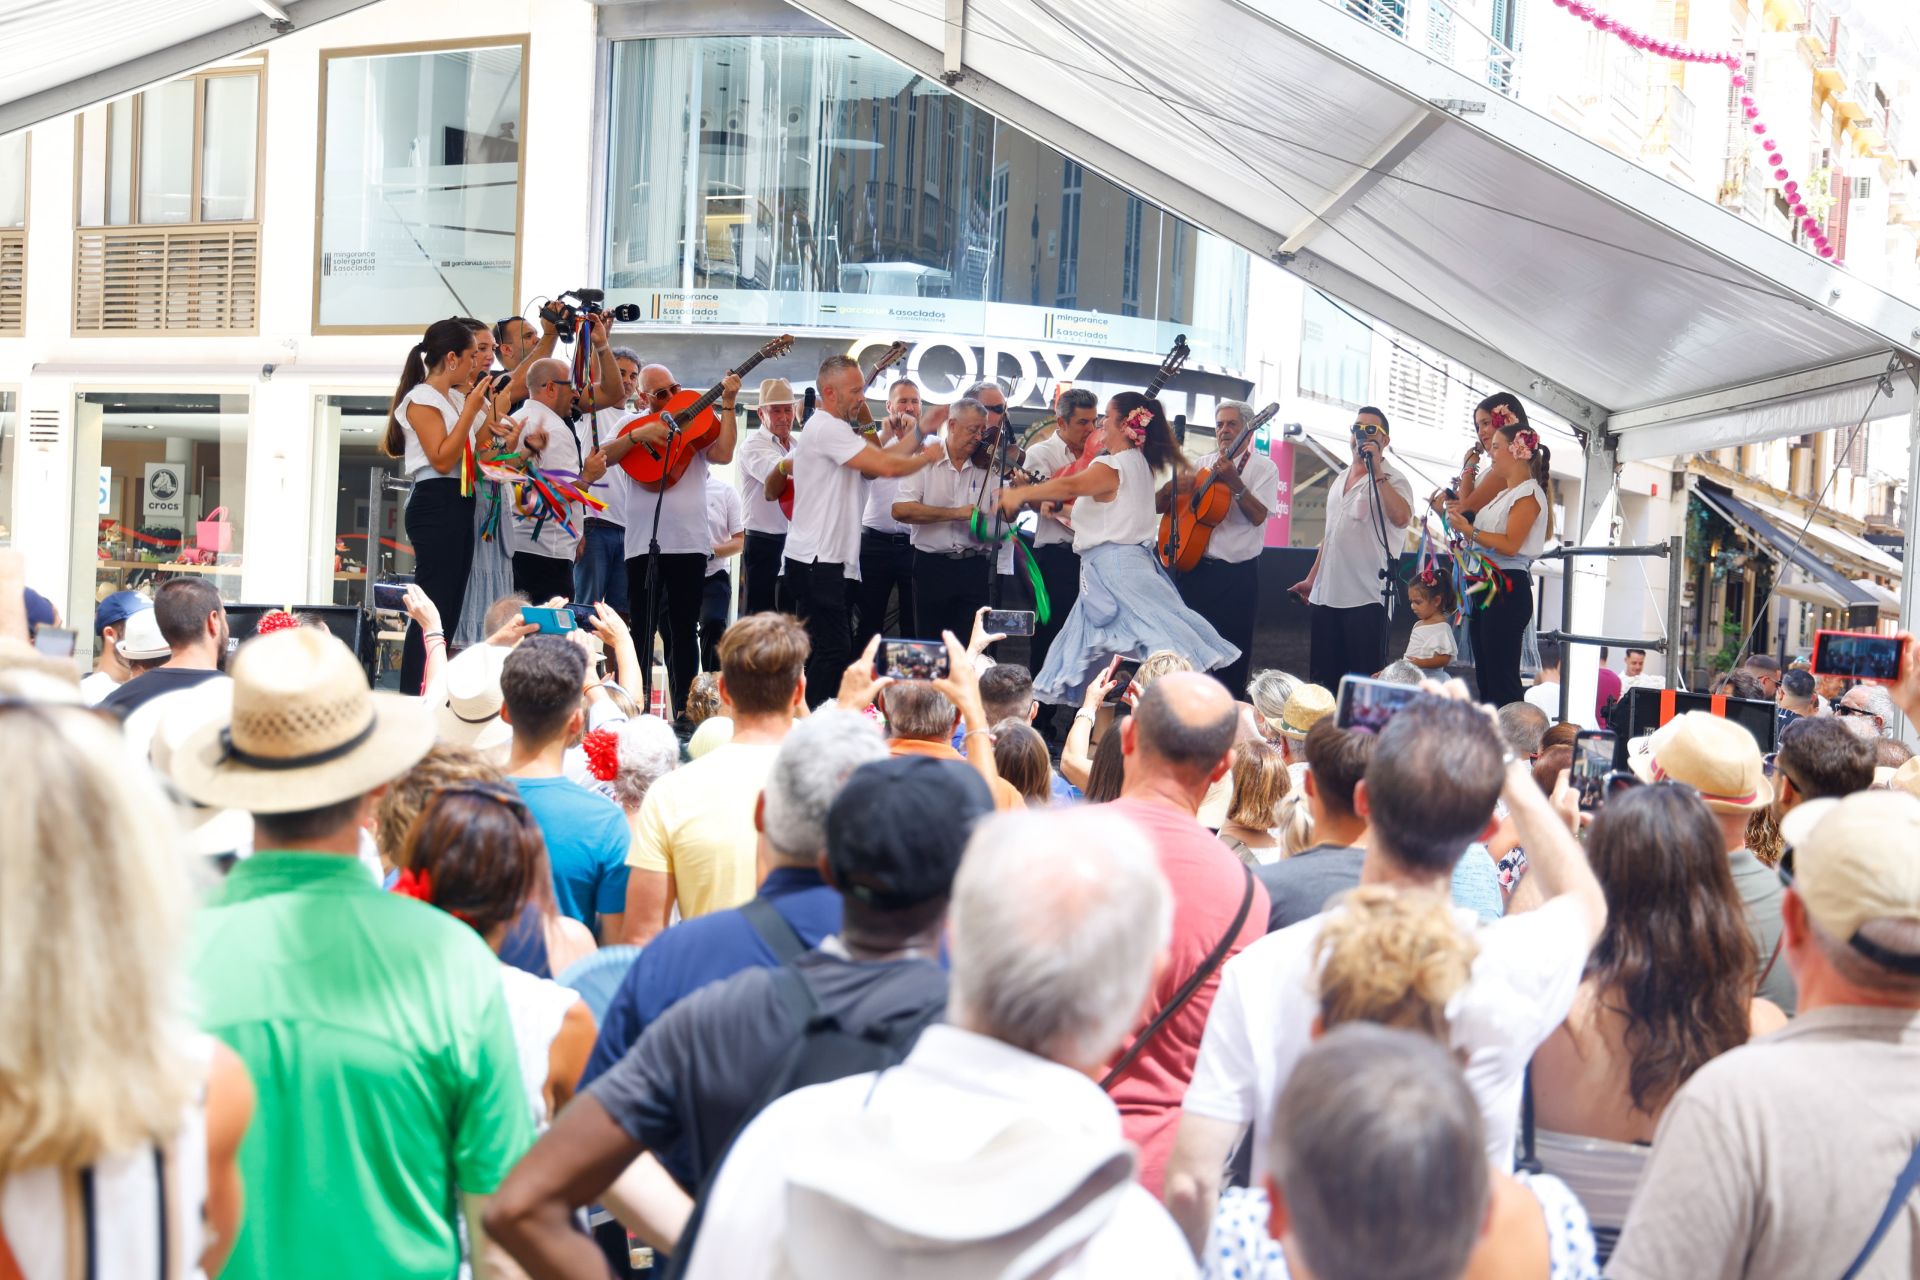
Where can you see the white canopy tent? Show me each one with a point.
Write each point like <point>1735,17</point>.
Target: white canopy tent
<point>1653,320</point>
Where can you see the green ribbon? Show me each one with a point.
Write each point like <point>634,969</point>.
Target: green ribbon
<point>982,529</point>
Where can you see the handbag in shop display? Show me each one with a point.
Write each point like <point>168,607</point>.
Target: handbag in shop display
<point>215,533</point>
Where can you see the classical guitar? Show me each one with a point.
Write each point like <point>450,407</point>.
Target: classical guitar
<point>1176,359</point>
<point>861,419</point>
<point>1192,516</point>
<point>699,425</point>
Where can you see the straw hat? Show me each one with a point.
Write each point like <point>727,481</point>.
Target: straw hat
<point>141,640</point>
<point>467,700</point>
<point>305,731</point>
<point>775,391</point>
<point>1907,778</point>
<point>1714,756</point>
<point>1307,705</point>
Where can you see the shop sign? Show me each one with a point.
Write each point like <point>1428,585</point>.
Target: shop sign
<point>165,502</point>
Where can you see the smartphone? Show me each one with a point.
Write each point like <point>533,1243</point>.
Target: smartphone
<point>911,659</point>
<point>1592,762</point>
<point>1366,705</point>
<point>55,642</point>
<point>1122,681</point>
<point>583,615</point>
<point>1858,655</point>
<point>391,595</point>
<point>1009,622</point>
<point>552,622</point>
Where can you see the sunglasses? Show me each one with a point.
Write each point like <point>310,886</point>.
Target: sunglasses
<point>994,408</point>
<point>1842,709</point>
<point>499,792</point>
<point>661,393</point>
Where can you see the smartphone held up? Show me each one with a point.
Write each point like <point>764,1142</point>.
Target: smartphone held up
<point>911,659</point>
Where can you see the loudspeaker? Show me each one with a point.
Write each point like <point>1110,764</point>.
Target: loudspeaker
<point>347,622</point>
<point>1640,713</point>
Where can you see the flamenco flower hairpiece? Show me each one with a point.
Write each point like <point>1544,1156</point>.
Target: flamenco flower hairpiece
<point>603,754</point>
<point>1525,441</point>
<point>1501,416</point>
<point>412,884</point>
<point>278,620</point>
<point>1136,425</point>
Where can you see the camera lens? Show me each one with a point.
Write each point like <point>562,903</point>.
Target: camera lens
<point>626,312</point>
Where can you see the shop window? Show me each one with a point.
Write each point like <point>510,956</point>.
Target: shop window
<point>420,185</point>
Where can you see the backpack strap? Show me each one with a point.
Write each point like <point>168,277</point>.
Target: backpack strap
<point>780,937</point>
<point>1903,1187</point>
<point>1194,982</point>
<point>1771,961</point>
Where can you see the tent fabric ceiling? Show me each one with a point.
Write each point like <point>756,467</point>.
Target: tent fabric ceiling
<point>1422,196</point>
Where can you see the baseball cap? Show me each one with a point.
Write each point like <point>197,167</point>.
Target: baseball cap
<point>897,829</point>
<point>117,608</point>
<point>1854,860</point>
<point>40,611</point>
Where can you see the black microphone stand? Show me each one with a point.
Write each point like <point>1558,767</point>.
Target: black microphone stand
<point>1380,527</point>
<point>653,572</point>
<point>996,479</point>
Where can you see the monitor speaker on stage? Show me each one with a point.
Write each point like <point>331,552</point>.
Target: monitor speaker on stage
<point>1644,710</point>
<point>347,622</point>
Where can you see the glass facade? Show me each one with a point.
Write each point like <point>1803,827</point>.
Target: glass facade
<point>804,182</point>
<point>13,180</point>
<point>137,162</point>
<point>420,187</point>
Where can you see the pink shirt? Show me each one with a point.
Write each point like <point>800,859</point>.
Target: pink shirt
<point>1208,883</point>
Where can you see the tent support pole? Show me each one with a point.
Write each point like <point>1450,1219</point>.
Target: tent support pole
<point>1909,556</point>
<point>1584,584</point>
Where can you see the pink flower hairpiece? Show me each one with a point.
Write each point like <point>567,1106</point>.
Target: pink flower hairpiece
<point>1501,416</point>
<point>1525,441</point>
<point>1136,425</point>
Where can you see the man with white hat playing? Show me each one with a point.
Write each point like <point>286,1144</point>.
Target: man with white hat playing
<point>374,1026</point>
<point>765,476</point>
<point>1799,1154</point>
<point>1720,760</point>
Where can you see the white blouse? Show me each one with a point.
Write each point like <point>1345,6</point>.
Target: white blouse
<point>1493,518</point>
<point>1128,517</point>
<point>416,455</point>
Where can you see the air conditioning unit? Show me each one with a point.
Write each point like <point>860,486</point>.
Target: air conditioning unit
<point>1863,188</point>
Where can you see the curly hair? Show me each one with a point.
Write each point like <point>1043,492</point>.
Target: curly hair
<point>703,698</point>
<point>1392,956</point>
<point>440,768</point>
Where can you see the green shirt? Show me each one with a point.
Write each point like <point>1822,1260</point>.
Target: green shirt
<point>376,1031</point>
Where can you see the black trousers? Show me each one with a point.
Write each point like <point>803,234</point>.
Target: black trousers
<point>1228,596</point>
<point>1060,571</point>
<point>760,572</point>
<point>440,527</point>
<point>679,585</point>
<point>817,595</point>
<point>716,600</point>
<point>1347,642</point>
<point>886,566</point>
<point>541,578</point>
<point>947,592</point>
<point>1498,632</point>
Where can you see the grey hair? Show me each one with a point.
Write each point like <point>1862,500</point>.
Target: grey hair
<point>1075,399</point>
<point>1379,1153</point>
<point>1269,690</point>
<point>967,404</point>
<point>986,384</point>
<point>1524,727</point>
<point>1056,922</point>
<point>1880,702</point>
<point>808,772</point>
<point>1402,672</point>
<point>1902,937</point>
<point>648,751</point>
<point>1244,409</point>
<point>545,372</point>
<point>915,709</point>
<point>628,353</point>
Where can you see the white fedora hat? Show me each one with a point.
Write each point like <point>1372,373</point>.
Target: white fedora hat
<point>141,639</point>
<point>466,700</point>
<point>305,731</point>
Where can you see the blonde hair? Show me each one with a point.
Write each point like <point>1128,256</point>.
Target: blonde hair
<point>1161,662</point>
<point>703,698</point>
<point>1392,956</point>
<point>94,903</point>
<point>441,767</point>
<point>1260,783</point>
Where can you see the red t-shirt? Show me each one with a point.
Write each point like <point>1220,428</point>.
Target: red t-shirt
<point>1208,883</point>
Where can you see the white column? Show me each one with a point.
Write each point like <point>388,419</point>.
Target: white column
<point>1909,559</point>
<point>1592,528</point>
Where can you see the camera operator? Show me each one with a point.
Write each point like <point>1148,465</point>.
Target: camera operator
<point>558,321</point>
<point>601,572</point>
<point>951,567</point>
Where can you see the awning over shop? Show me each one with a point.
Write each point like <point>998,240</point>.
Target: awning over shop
<point>1786,546</point>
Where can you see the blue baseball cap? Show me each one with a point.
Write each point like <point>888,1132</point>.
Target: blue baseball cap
<point>117,608</point>
<point>40,612</point>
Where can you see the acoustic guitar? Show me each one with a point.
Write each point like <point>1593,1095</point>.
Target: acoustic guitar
<point>1174,361</point>
<point>1191,518</point>
<point>699,425</point>
<point>862,420</point>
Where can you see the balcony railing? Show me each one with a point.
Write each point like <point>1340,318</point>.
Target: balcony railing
<point>1444,34</point>
<point>13,282</point>
<point>201,278</point>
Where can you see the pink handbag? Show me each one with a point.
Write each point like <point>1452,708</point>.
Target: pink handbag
<point>214,533</point>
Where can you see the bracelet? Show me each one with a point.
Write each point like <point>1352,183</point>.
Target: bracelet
<point>428,635</point>
<point>969,733</point>
<point>1085,714</point>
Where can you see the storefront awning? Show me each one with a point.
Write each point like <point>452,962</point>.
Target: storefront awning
<point>1786,546</point>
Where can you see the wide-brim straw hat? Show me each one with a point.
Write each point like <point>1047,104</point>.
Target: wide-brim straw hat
<point>1307,705</point>
<point>466,700</point>
<point>1711,754</point>
<point>305,731</point>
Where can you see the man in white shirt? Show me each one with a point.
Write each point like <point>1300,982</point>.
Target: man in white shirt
<point>543,550</point>
<point>951,567</point>
<point>110,666</point>
<point>990,1147</point>
<point>726,524</point>
<point>765,475</point>
<point>1356,552</point>
<point>1076,412</point>
<point>1428,793</point>
<point>680,569</point>
<point>823,544</point>
<point>1224,588</point>
<point>601,572</point>
<point>1545,693</point>
<point>886,544</point>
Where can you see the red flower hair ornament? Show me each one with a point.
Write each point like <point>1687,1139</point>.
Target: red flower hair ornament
<point>603,754</point>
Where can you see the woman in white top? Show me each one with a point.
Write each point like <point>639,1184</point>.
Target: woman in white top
<point>120,1126</point>
<point>430,425</point>
<point>1511,528</point>
<point>1128,607</point>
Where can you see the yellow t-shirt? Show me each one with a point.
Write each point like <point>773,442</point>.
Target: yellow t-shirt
<point>697,825</point>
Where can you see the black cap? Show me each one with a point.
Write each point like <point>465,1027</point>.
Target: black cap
<point>897,829</point>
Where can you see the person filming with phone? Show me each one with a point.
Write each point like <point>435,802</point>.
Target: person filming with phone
<point>1368,511</point>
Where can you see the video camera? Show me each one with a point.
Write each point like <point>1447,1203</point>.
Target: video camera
<point>564,312</point>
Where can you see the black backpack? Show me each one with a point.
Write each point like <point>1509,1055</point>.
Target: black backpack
<point>824,1050</point>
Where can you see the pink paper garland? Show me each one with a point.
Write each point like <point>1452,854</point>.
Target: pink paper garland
<point>1687,53</point>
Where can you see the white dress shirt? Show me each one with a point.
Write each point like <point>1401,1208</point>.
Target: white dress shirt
<point>725,519</point>
<point>827,496</point>
<point>945,485</point>
<point>1043,461</point>
<point>564,451</point>
<point>783,1202</point>
<point>1351,557</point>
<point>596,431</point>
<point>760,452</point>
<point>877,514</point>
<point>1238,539</point>
<point>683,511</point>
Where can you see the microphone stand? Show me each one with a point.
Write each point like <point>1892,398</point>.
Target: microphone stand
<point>653,577</point>
<point>994,485</point>
<point>1380,527</point>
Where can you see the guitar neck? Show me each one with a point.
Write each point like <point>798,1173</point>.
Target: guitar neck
<point>713,393</point>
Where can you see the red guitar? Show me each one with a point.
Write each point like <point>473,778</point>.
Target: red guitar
<point>699,425</point>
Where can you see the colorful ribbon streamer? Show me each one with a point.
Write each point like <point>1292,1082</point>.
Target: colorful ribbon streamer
<point>981,526</point>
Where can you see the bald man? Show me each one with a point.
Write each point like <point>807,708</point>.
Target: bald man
<point>1177,742</point>
<point>543,548</point>
<point>685,542</point>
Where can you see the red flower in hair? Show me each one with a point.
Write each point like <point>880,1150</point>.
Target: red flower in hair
<point>1501,416</point>
<point>412,884</point>
<point>603,754</point>
<point>278,620</point>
